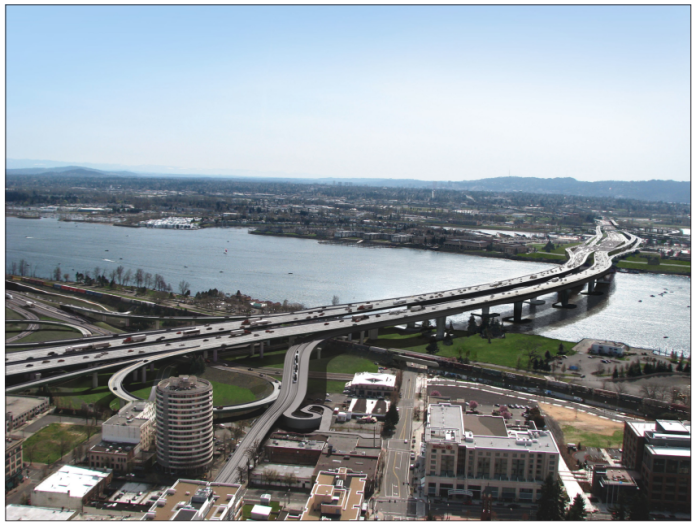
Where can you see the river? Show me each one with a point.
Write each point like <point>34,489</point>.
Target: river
<point>304,271</point>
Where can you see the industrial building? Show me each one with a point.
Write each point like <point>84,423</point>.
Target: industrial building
<point>20,409</point>
<point>71,487</point>
<point>13,460</point>
<point>184,416</point>
<point>134,424</point>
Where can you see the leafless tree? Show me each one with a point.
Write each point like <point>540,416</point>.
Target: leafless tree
<point>13,268</point>
<point>148,279</point>
<point>600,369</point>
<point>66,277</point>
<point>127,277</point>
<point>119,274</point>
<point>57,273</point>
<point>242,473</point>
<point>97,272</point>
<point>335,300</point>
<point>23,267</point>
<point>184,286</point>
<point>620,387</point>
<point>112,275</point>
<point>139,276</point>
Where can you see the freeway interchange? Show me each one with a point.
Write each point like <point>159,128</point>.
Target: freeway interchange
<point>313,326</point>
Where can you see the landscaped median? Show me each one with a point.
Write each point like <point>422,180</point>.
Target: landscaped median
<point>502,351</point>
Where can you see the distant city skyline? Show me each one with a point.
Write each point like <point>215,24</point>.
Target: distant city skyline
<point>405,92</point>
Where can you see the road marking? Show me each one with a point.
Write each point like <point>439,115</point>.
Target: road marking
<point>604,417</point>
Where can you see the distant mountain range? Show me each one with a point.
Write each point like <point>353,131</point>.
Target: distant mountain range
<point>651,190</point>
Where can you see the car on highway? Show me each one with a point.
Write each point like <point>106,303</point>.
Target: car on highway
<point>406,441</point>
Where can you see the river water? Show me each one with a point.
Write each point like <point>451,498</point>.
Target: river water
<point>304,271</point>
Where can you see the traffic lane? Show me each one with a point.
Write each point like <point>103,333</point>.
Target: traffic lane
<point>482,397</point>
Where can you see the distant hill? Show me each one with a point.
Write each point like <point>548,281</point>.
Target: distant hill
<point>651,190</point>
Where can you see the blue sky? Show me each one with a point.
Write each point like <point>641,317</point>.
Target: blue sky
<point>432,93</point>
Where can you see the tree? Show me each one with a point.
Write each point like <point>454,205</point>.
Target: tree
<point>432,347</point>
<point>619,512</point>
<point>57,273</point>
<point>66,277</point>
<point>576,512</point>
<point>184,286</point>
<point>552,501</point>
<point>473,405</point>
<point>615,374</point>
<point>139,276</point>
<point>119,274</point>
<point>241,472</point>
<point>472,327</point>
<point>23,267</point>
<point>127,277</point>
<point>335,300</point>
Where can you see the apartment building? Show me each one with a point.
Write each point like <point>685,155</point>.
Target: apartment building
<point>461,465</point>
<point>336,496</point>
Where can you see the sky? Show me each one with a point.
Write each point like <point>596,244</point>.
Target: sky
<point>420,92</point>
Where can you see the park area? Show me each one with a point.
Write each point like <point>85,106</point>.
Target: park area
<point>333,361</point>
<point>502,351</point>
<point>50,443</point>
<point>587,429</point>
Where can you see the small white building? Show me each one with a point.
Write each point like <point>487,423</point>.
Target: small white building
<point>31,513</point>
<point>369,384</point>
<point>605,348</point>
<point>261,513</point>
<point>71,487</point>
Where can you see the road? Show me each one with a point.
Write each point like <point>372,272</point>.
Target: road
<point>395,497</point>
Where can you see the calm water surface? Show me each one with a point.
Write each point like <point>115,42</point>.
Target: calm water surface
<point>300,270</point>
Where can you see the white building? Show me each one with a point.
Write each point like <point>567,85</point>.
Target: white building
<point>461,465</point>
<point>31,513</point>
<point>134,424</point>
<point>613,349</point>
<point>369,384</point>
<point>71,487</point>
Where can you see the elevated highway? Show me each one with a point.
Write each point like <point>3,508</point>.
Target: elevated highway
<point>327,322</point>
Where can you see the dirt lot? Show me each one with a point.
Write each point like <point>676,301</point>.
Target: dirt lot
<point>588,429</point>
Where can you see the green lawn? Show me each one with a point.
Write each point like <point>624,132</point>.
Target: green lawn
<point>658,268</point>
<point>45,445</point>
<point>504,352</point>
<point>54,333</point>
<point>321,387</point>
<point>542,255</point>
<point>11,314</point>
<point>591,439</point>
<point>334,362</point>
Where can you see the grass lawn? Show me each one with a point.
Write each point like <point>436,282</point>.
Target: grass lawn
<point>11,314</point>
<point>333,362</point>
<point>592,439</point>
<point>658,268</point>
<point>44,446</point>
<point>54,333</point>
<point>107,326</point>
<point>246,511</point>
<point>542,255</point>
<point>72,394</point>
<point>321,387</point>
<point>504,352</point>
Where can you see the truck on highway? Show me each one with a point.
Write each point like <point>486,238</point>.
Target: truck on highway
<point>237,333</point>
<point>135,339</point>
<point>400,302</point>
<point>189,333</point>
<point>416,308</point>
<point>29,304</point>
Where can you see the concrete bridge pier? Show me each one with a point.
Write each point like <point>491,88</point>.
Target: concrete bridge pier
<point>440,322</point>
<point>536,302</point>
<point>517,315</point>
<point>205,354</point>
<point>590,286</point>
<point>95,379</point>
<point>157,324</point>
<point>373,334</point>
<point>135,375</point>
<point>350,337</point>
<point>253,348</point>
<point>362,337</point>
<point>318,350</point>
<point>215,354</point>
<point>121,403</point>
<point>563,297</point>
<point>152,367</point>
<point>411,325</point>
<point>261,345</point>
<point>485,314</point>
<point>291,340</point>
<point>127,322</point>
<point>143,374</point>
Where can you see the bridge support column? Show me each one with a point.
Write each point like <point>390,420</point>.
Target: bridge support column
<point>157,324</point>
<point>350,337</point>
<point>253,348</point>
<point>143,374</point>
<point>590,286</point>
<point>215,355</point>
<point>563,297</point>
<point>291,340</point>
<point>152,367</point>
<point>121,403</point>
<point>127,323</point>
<point>205,354</point>
<point>261,345</point>
<point>440,323</point>
<point>517,315</point>
<point>536,302</point>
<point>362,337</point>
<point>373,334</point>
<point>135,375</point>
<point>485,313</point>
<point>95,380</point>
<point>318,353</point>
<point>411,325</point>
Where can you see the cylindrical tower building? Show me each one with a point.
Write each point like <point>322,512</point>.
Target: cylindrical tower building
<point>184,424</point>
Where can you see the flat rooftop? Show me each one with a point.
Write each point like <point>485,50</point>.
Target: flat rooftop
<point>641,427</point>
<point>672,427</point>
<point>106,446</point>
<point>30,513</point>
<point>538,441</point>
<point>76,480</point>
<point>293,444</point>
<point>485,425</point>
<point>184,491</point>
<point>445,423</point>
<point>677,452</point>
<point>20,405</point>
<point>368,379</point>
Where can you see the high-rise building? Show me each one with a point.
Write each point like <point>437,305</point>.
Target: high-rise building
<point>184,419</point>
<point>461,465</point>
<point>661,453</point>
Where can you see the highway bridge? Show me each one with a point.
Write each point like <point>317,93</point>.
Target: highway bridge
<point>317,324</point>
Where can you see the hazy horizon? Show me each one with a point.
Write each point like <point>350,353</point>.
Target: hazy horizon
<point>432,93</point>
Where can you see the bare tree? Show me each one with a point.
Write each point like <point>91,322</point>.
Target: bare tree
<point>23,267</point>
<point>62,445</point>
<point>127,277</point>
<point>66,277</point>
<point>139,276</point>
<point>13,268</point>
<point>184,286</point>
<point>57,272</point>
<point>531,353</point>
<point>648,391</point>
<point>97,272</point>
<point>112,275</point>
<point>600,369</point>
<point>620,387</point>
<point>241,472</point>
<point>119,274</point>
<point>148,279</point>
<point>335,300</point>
